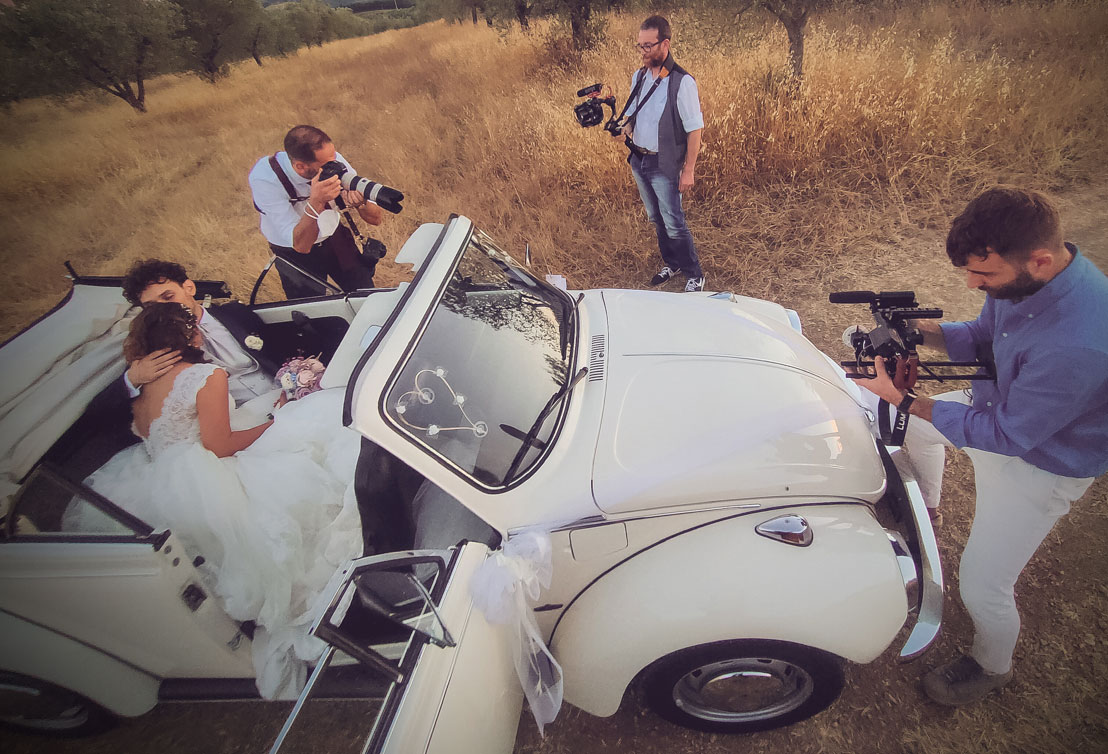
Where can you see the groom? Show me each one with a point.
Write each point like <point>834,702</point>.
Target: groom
<point>230,332</point>
<point>394,502</point>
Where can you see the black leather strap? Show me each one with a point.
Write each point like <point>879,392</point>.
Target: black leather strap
<point>284,179</point>
<point>893,435</point>
<point>642,77</point>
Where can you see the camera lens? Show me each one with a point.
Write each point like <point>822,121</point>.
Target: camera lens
<point>385,197</point>
<point>589,113</point>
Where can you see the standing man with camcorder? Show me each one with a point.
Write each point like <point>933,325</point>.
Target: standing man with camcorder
<point>663,131</point>
<point>1037,435</point>
<point>297,199</point>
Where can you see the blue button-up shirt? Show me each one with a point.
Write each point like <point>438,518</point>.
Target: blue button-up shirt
<point>650,112</point>
<point>1049,404</point>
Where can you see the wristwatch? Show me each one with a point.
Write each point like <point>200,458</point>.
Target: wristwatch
<point>906,402</point>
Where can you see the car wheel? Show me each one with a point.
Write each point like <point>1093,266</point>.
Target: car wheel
<point>743,686</point>
<point>33,706</point>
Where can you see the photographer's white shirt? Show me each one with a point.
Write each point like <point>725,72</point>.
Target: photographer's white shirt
<point>279,216</point>
<point>646,122</point>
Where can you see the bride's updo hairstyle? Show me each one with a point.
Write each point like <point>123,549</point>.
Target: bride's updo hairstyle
<point>163,325</point>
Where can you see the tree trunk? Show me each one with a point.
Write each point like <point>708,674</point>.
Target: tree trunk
<point>522,12</point>
<point>134,101</point>
<point>794,19</point>
<point>254,52</point>
<point>474,9</point>
<point>579,13</point>
<point>140,80</point>
<point>796,50</point>
<point>209,71</point>
<point>121,89</point>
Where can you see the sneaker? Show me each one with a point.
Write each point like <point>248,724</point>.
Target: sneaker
<point>663,275</point>
<point>962,681</point>
<point>936,517</point>
<point>694,284</point>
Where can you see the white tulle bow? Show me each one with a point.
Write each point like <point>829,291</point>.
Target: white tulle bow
<point>503,587</point>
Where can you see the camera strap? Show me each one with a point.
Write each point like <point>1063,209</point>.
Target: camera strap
<point>666,68</point>
<point>893,435</point>
<point>907,372</point>
<point>294,198</point>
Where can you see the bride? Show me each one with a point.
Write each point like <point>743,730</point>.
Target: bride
<point>271,509</point>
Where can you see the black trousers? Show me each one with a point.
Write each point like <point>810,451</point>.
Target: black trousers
<point>323,261</point>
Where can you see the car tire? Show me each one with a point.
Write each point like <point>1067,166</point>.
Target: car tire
<point>743,686</point>
<point>30,705</point>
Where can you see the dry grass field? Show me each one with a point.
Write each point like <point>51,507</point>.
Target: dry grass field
<point>904,114</point>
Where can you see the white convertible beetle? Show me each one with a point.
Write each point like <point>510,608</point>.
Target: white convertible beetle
<point>725,528</point>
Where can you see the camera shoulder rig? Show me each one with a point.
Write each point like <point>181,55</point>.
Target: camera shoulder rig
<point>895,339</point>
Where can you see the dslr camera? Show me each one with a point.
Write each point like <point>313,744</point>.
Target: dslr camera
<point>385,197</point>
<point>591,112</point>
<point>896,337</point>
<point>895,334</point>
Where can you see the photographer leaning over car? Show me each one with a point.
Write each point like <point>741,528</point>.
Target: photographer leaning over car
<point>297,219</point>
<point>1037,436</point>
<point>664,130</point>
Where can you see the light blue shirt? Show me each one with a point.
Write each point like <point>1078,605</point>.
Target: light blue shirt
<point>1049,404</point>
<point>646,121</point>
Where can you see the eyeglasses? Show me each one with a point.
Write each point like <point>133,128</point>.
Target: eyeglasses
<point>648,46</point>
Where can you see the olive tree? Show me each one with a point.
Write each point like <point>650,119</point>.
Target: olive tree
<point>793,15</point>
<point>218,32</point>
<point>60,46</point>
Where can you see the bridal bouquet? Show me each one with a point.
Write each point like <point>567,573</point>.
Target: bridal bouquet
<point>300,376</point>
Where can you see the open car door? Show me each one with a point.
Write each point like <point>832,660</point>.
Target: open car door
<point>410,618</point>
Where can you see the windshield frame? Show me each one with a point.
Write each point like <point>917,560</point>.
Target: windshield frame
<point>370,350</point>
<point>572,320</point>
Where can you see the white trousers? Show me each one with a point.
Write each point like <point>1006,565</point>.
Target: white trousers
<point>1017,506</point>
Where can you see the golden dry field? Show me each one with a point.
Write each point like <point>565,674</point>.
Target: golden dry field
<point>904,114</point>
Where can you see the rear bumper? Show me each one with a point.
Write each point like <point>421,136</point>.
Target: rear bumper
<point>926,611</point>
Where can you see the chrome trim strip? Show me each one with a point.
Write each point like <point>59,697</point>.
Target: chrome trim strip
<point>930,618</point>
<point>317,673</point>
<point>722,507</point>
<point>908,572</point>
<point>581,523</point>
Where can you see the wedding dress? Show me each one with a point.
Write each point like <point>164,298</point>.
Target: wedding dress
<point>272,522</point>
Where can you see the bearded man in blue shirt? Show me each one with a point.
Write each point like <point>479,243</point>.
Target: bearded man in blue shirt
<point>1037,436</point>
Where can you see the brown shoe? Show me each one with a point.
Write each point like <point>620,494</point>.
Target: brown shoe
<point>962,681</point>
<point>936,517</point>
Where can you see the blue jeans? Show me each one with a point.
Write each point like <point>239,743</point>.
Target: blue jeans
<point>663,206</point>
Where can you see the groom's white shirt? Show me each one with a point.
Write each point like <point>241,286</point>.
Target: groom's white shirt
<point>246,380</point>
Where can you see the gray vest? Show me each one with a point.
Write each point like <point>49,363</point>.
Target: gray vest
<point>673,142</point>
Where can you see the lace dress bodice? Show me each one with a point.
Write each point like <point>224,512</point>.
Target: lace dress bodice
<point>272,522</point>
<point>179,421</point>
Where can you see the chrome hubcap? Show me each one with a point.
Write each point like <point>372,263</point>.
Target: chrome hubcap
<point>743,689</point>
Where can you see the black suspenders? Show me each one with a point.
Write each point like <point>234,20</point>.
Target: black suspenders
<point>294,198</point>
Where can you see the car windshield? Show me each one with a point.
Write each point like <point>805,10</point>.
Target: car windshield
<point>481,388</point>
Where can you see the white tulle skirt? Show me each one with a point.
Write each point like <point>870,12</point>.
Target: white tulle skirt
<point>273,523</point>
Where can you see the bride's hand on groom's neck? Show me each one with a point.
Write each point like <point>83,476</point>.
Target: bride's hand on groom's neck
<point>152,366</point>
